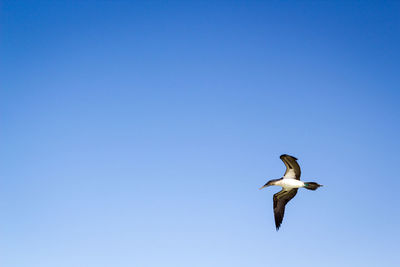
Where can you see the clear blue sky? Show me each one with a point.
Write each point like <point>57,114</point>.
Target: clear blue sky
<point>138,133</point>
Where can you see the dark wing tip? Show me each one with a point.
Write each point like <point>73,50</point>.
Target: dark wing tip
<point>278,221</point>
<point>286,155</point>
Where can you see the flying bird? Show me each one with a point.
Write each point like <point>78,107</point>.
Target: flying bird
<point>290,183</point>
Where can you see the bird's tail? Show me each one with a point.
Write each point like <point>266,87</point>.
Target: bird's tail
<point>312,185</point>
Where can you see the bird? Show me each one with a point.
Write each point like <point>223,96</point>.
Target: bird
<point>290,183</point>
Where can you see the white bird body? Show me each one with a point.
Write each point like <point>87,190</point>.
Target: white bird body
<point>289,183</point>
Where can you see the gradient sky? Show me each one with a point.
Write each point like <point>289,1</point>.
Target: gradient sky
<point>138,133</point>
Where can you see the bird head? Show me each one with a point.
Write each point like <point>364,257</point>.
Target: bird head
<point>269,183</point>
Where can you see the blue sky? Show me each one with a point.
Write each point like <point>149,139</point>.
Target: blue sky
<point>138,133</point>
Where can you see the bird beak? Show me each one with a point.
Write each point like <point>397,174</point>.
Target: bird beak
<point>266,185</point>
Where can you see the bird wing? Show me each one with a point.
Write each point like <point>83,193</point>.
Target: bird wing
<point>292,167</point>
<point>280,200</point>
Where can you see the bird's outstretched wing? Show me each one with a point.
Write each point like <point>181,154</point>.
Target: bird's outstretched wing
<point>280,200</point>
<point>292,167</point>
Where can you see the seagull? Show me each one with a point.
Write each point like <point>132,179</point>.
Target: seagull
<point>290,183</point>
